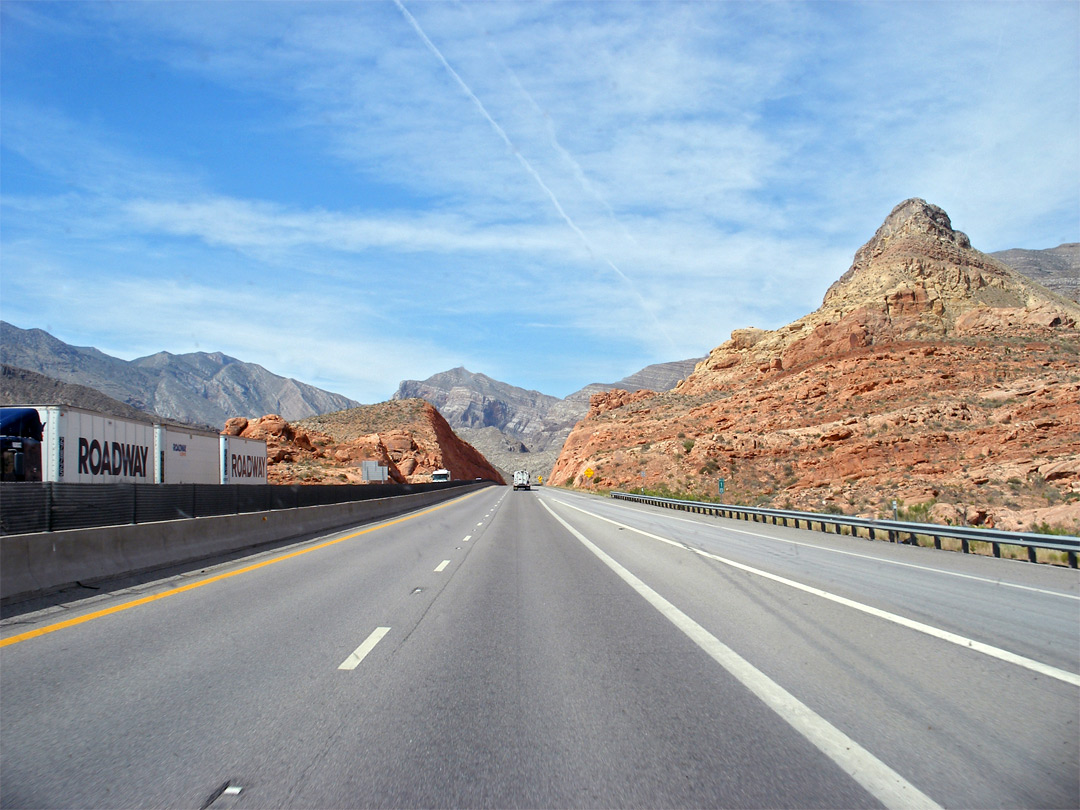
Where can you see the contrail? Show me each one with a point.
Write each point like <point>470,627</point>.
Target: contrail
<point>553,139</point>
<point>528,168</point>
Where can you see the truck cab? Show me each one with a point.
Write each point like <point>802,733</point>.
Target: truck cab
<point>20,444</point>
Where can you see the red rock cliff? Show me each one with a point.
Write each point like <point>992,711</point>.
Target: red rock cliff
<point>931,373</point>
<point>409,437</point>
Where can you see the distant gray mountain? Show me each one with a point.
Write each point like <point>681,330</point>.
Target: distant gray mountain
<point>21,387</point>
<point>1055,268</point>
<point>517,428</point>
<point>469,400</point>
<point>198,388</point>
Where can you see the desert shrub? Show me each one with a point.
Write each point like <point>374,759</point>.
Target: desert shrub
<point>1055,529</point>
<point>917,512</point>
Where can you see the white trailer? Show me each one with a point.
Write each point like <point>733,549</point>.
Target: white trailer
<point>186,455</point>
<point>521,480</point>
<point>85,447</point>
<point>243,461</point>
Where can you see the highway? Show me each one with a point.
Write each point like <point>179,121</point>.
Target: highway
<point>552,649</point>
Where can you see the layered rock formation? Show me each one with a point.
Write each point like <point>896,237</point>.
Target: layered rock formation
<point>517,428</point>
<point>931,373</point>
<point>409,437</point>
<point>469,400</point>
<point>1057,269</point>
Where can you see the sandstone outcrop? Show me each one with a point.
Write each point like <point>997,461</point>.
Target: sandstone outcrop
<point>931,374</point>
<point>916,279</point>
<point>518,428</point>
<point>409,437</point>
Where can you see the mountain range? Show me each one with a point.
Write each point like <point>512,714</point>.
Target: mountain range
<point>1057,269</point>
<point>511,426</point>
<point>197,389</point>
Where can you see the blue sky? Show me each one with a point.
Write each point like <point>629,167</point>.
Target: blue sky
<point>356,193</point>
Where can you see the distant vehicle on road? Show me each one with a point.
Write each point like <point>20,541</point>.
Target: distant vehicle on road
<point>440,475</point>
<point>521,480</point>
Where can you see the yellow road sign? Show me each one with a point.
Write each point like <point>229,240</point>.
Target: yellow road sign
<point>589,473</point>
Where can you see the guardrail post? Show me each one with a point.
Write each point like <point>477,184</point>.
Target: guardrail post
<point>937,541</point>
<point>997,549</point>
<point>1072,558</point>
<point>964,545</point>
<point>1031,554</point>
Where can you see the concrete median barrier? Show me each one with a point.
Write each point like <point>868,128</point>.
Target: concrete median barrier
<point>36,564</point>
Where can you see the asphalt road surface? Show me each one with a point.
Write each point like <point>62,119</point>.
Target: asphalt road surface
<point>548,649</point>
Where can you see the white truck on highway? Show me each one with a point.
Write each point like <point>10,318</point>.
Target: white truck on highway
<point>521,480</point>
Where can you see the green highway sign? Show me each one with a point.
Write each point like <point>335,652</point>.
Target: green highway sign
<point>721,486</point>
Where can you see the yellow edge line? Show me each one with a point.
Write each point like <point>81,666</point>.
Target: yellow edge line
<point>52,628</point>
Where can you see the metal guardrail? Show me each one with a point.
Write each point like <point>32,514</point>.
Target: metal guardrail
<point>894,531</point>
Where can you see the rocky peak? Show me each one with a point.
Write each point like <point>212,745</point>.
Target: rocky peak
<point>916,279</point>
<point>916,250</point>
<point>931,374</point>
<point>916,218</point>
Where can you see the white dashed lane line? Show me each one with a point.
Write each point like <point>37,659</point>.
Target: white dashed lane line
<point>358,655</point>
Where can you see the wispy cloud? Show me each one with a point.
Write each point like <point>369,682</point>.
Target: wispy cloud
<point>584,177</point>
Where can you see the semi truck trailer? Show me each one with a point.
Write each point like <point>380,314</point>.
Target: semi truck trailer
<point>65,444</point>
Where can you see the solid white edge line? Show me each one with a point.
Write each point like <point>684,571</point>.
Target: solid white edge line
<point>928,568</point>
<point>881,781</point>
<point>953,638</point>
<point>441,566</point>
<point>358,655</point>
